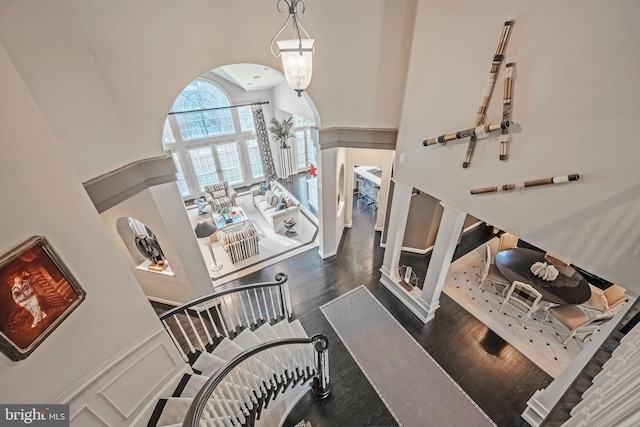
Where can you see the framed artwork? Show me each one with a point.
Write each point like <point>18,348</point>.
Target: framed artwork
<point>37,292</point>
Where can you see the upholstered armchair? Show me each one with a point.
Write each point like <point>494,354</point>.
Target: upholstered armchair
<point>240,243</point>
<point>220,195</point>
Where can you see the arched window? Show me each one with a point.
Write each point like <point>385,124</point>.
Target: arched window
<point>210,146</point>
<point>198,95</point>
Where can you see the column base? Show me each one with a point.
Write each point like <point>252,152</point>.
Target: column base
<point>416,306</point>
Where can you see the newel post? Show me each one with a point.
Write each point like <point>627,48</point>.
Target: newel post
<point>320,385</point>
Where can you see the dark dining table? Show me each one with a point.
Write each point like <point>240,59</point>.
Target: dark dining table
<point>570,287</point>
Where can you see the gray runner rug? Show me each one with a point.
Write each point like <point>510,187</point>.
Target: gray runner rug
<point>415,389</point>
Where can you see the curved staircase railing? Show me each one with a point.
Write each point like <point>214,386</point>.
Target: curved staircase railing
<point>238,392</point>
<point>198,325</point>
<point>241,389</point>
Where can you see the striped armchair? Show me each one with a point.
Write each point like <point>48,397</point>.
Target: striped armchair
<point>220,195</point>
<point>240,243</point>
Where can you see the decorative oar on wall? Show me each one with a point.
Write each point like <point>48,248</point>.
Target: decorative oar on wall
<point>480,129</point>
<point>527,184</point>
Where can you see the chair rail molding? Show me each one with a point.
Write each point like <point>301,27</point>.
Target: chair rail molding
<point>376,139</point>
<point>112,188</point>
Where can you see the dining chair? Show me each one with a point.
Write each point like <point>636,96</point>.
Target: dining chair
<point>507,241</point>
<point>602,301</point>
<point>578,320</point>
<point>491,273</point>
<point>523,297</point>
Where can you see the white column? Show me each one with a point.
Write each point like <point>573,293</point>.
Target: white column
<point>327,204</point>
<point>395,235</point>
<point>446,242</point>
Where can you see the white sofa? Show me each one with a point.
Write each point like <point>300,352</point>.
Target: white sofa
<point>274,217</point>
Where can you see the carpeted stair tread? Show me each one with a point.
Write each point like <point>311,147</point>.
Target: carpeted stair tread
<point>208,364</point>
<point>265,333</point>
<point>227,350</point>
<point>174,411</point>
<point>284,330</point>
<point>194,385</point>
<point>247,339</point>
<point>298,330</point>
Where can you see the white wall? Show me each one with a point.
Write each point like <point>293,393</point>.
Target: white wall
<point>167,218</point>
<point>104,74</point>
<point>575,100</point>
<point>113,335</point>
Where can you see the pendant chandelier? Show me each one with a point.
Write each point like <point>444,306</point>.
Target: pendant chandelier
<point>296,53</point>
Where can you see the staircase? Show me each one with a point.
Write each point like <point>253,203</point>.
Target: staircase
<point>250,360</point>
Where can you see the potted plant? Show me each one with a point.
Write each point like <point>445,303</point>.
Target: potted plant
<point>282,131</point>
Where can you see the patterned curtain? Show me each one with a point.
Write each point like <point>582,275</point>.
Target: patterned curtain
<point>266,156</point>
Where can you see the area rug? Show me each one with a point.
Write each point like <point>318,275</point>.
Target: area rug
<point>274,247</point>
<point>538,340</point>
<point>415,389</point>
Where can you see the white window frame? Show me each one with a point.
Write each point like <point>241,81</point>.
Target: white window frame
<point>180,147</point>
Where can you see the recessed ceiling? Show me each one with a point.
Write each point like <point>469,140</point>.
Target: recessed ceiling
<point>250,76</point>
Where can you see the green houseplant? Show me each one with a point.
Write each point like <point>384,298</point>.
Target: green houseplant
<point>282,131</point>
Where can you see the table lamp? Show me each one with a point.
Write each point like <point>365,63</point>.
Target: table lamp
<point>204,229</point>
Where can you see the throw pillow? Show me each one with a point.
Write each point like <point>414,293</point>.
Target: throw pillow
<point>219,193</point>
<point>282,205</point>
<point>264,187</point>
<point>272,199</point>
<point>288,201</point>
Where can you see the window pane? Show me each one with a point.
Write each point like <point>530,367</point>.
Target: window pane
<point>205,124</point>
<point>200,94</point>
<point>246,118</point>
<point>300,122</point>
<point>300,150</point>
<point>229,162</point>
<point>182,183</point>
<point>167,134</point>
<point>311,149</point>
<point>203,166</point>
<point>255,161</point>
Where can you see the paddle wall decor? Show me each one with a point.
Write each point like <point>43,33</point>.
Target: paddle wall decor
<point>480,129</point>
<point>527,184</point>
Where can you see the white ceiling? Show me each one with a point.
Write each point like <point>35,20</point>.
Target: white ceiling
<point>250,76</point>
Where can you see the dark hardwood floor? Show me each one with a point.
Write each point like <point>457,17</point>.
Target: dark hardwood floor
<point>495,375</point>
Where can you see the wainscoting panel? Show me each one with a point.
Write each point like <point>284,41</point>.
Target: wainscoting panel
<point>123,389</point>
<point>147,373</point>
<point>86,417</point>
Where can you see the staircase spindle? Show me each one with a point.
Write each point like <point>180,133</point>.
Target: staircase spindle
<point>266,308</point>
<point>244,310</point>
<point>235,400</point>
<point>273,306</point>
<point>222,322</point>
<point>232,326</point>
<point>235,309</point>
<point>228,401</point>
<point>206,330</point>
<point>195,331</point>
<point>281,301</point>
<point>287,300</point>
<point>258,303</point>
<point>253,315</point>
<point>175,341</point>
<point>215,328</point>
<point>184,334</point>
